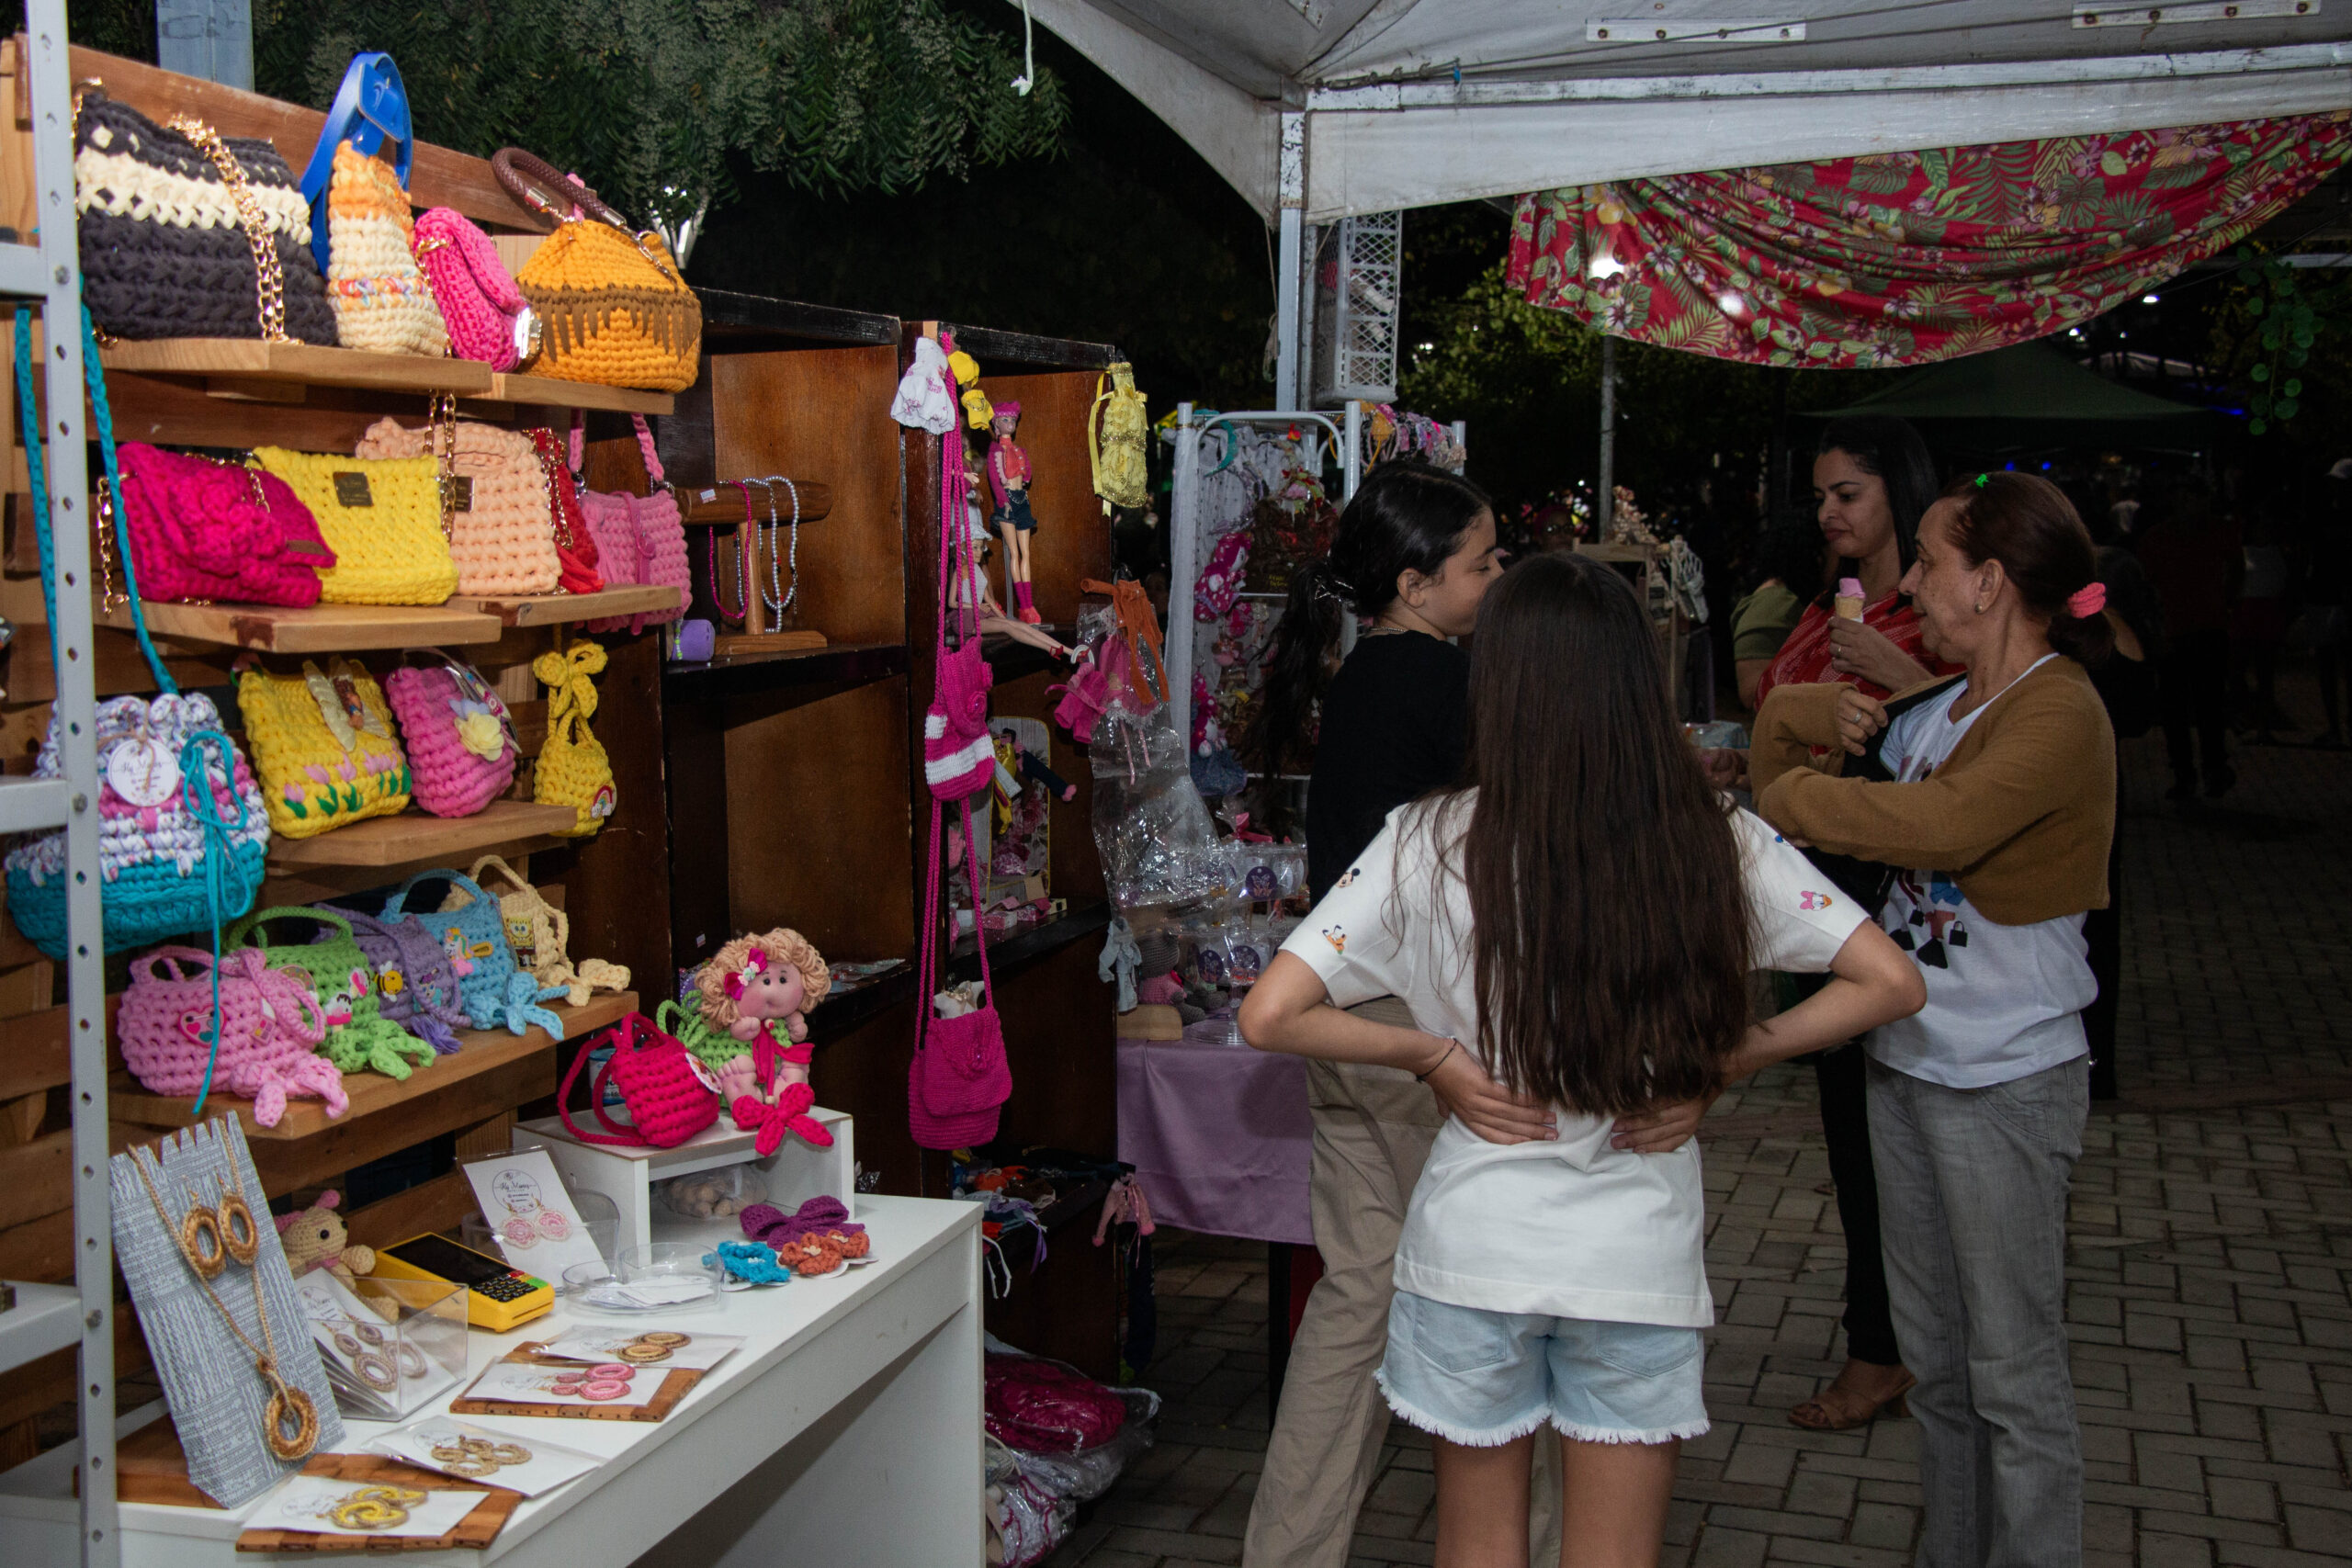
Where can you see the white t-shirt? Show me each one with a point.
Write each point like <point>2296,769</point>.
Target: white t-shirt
<point>1572,1227</point>
<point>2004,1002</point>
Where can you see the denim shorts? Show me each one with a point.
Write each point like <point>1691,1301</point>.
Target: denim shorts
<point>1015,510</point>
<point>1481,1378</point>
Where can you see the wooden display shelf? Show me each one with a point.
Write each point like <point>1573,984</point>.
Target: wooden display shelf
<point>485,1051</point>
<point>843,664</point>
<point>554,609</point>
<point>321,628</point>
<point>414,836</point>
<point>549,392</point>
<point>226,362</point>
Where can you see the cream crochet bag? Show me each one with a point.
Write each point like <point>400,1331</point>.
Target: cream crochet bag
<point>539,933</point>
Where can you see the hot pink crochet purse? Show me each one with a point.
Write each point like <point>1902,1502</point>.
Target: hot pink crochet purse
<point>203,529</point>
<point>270,1025</point>
<point>461,749</point>
<point>670,1095</point>
<point>638,539</point>
<point>487,316</point>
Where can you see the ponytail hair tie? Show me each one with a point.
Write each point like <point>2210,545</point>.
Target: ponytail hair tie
<point>1980,479</point>
<point>2088,600</point>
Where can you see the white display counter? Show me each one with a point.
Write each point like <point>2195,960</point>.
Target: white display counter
<point>845,1430</point>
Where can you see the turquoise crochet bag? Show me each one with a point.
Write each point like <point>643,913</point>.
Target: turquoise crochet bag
<point>492,989</point>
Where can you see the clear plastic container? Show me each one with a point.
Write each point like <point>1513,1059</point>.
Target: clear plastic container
<point>598,1214</point>
<point>645,1281</point>
<point>712,1194</point>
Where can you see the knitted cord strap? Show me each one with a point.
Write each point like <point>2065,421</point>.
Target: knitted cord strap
<point>195,784</point>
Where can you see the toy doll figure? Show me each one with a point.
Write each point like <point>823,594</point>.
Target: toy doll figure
<point>1009,478</point>
<point>751,986</point>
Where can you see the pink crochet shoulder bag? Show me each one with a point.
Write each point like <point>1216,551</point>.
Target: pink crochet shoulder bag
<point>671,1096</point>
<point>204,529</point>
<point>460,737</point>
<point>639,538</point>
<point>487,316</point>
<point>271,1024</point>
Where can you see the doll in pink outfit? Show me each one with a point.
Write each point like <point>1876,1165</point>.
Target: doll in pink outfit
<point>1009,476</point>
<point>759,988</point>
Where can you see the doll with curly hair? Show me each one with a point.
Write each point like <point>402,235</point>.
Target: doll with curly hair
<point>753,984</point>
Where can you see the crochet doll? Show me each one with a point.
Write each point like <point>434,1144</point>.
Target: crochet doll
<point>753,984</point>
<point>1009,476</point>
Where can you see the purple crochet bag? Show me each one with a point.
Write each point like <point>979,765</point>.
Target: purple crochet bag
<point>416,986</point>
<point>461,751</point>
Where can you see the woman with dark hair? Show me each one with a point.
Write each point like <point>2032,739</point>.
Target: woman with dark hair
<point>1413,555</point>
<point>1992,799</point>
<point>1576,919</point>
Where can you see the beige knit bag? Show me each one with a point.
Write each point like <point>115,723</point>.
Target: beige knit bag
<point>381,299</point>
<point>539,933</point>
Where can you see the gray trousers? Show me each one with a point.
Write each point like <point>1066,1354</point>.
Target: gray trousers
<point>1971,1193</point>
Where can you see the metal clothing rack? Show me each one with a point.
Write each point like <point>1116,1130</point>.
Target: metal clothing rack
<point>47,1318</point>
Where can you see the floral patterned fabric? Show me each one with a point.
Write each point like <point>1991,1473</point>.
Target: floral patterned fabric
<point>1902,258</point>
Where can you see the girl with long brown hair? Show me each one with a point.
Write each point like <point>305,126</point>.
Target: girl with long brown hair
<point>1575,919</point>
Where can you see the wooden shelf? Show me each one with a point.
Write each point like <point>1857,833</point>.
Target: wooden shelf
<point>321,628</point>
<point>554,609</point>
<point>485,1051</point>
<point>236,359</point>
<point>549,392</point>
<point>1009,950</point>
<point>415,836</point>
<point>843,663</point>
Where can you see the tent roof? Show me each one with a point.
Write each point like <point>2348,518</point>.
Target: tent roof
<point>2031,382</point>
<point>1409,103</point>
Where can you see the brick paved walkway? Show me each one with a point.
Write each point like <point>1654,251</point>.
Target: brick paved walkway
<point>2211,1254</point>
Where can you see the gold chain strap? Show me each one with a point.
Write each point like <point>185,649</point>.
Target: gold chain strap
<point>269,272</point>
<point>444,420</point>
<point>109,597</point>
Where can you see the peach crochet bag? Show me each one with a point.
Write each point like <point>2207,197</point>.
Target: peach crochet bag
<point>502,536</point>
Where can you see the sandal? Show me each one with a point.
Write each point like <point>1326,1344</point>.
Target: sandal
<point>1836,1409</point>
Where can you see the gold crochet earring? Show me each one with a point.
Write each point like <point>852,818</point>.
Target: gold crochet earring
<point>208,1260</point>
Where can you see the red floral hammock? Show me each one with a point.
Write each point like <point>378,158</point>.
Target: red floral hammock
<point>1901,258</point>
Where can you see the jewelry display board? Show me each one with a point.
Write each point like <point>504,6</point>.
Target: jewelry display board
<point>478,1528</point>
<point>234,1350</point>
<point>665,1399</point>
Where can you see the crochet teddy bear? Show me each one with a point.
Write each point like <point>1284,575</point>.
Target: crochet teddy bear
<point>316,1237</point>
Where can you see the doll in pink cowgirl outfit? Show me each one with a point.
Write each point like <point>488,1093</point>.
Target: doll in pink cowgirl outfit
<point>754,984</point>
<point>1009,476</point>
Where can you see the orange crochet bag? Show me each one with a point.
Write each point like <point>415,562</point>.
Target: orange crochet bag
<point>614,310</point>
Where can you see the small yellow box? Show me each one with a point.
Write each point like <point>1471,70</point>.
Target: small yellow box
<point>497,1297</point>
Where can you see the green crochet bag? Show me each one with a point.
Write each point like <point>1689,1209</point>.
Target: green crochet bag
<point>358,1035</point>
<point>714,1048</point>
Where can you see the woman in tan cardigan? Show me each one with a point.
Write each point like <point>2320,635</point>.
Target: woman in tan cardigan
<point>1991,798</point>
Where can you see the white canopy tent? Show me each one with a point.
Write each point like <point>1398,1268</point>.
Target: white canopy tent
<point>1318,109</point>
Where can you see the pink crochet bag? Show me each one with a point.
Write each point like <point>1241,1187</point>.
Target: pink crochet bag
<point>460,737</point>
<point>205,529</point>
<point>487,316</point>
<point>271,1024</point>
<point>959,758</point>
<point>670,1095</point>
<point>639,538</point>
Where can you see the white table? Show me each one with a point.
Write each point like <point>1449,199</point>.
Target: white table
<point>845,1430</point>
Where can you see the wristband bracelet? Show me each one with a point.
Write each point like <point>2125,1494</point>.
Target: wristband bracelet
<point>1451,1047</point>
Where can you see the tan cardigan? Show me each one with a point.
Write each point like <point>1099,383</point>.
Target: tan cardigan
<point>2020,814</point>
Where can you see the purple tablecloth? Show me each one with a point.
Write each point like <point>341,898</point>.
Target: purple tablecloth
<point>1220,1136</point>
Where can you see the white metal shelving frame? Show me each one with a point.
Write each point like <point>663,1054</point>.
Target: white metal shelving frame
<point>49,272</point>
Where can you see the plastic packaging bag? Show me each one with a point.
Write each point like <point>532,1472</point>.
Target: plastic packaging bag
<point>1025,1519</point>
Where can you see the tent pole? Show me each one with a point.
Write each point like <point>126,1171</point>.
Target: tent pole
<point>1605,503</point>
<point>1288,263</point>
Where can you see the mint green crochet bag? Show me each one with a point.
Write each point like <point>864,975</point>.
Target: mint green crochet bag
<point>358,1036</point>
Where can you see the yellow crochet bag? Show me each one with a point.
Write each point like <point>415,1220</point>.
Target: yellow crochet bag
<point>572,768</point>
<point>614,308</point>
<point>323,747</point>
<point>501,536</point>
<point>382,519</point>
<point>381,300</point>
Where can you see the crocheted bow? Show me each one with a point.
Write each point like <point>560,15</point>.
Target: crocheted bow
<point>818,1216</point>
<point>788,1114</point>
<point>755,962</point>
<point>567,675</point>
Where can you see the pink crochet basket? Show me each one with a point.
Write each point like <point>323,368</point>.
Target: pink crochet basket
<point>487,316</point>
<point>270,1025</point>
<point>669,1094</point>
<point>203,529</point>
<point>638,539</point>
<point>460,737</point>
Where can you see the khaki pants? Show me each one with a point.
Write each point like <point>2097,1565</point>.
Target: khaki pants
<point>1372,1131</point>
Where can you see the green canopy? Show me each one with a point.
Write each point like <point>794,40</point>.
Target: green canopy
<point>2029,395</point>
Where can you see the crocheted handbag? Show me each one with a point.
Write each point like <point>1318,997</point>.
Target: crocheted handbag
<point>461,749</point>
<point>572,768</point>
<point>501,536</point>
<point>574,546</point>
<point>165,248</point>
<point>638,539</point>
<point>322,743</point>
<point>358,1036</point>
<point>381,302</point>
<point>540,933</point>
<point>487,316</point>
<point>202,528</point>
<point>615,309</point>
<point>471,931</point>
<point>271,1026</point>
<point>668,1095</point>
<point>415,986</point>
<point>382,519</point>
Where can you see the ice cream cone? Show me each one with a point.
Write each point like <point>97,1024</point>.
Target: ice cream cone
<point>1849,599</point>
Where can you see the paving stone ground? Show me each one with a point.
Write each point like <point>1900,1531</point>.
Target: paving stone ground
<point>2212,1251</point>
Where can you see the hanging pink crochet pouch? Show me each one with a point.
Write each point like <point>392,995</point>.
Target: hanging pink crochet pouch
<point>270,1025</point>
<point>205,529</point>
<point>639,538</point>
<point>487,316</point>
<point>461,749</point>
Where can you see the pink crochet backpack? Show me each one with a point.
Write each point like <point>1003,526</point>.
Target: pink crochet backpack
<point>461,749</point>
<point>639,538</point>
<point>205,529</point>
<point>487,316</point>
<point>270,1025</point>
